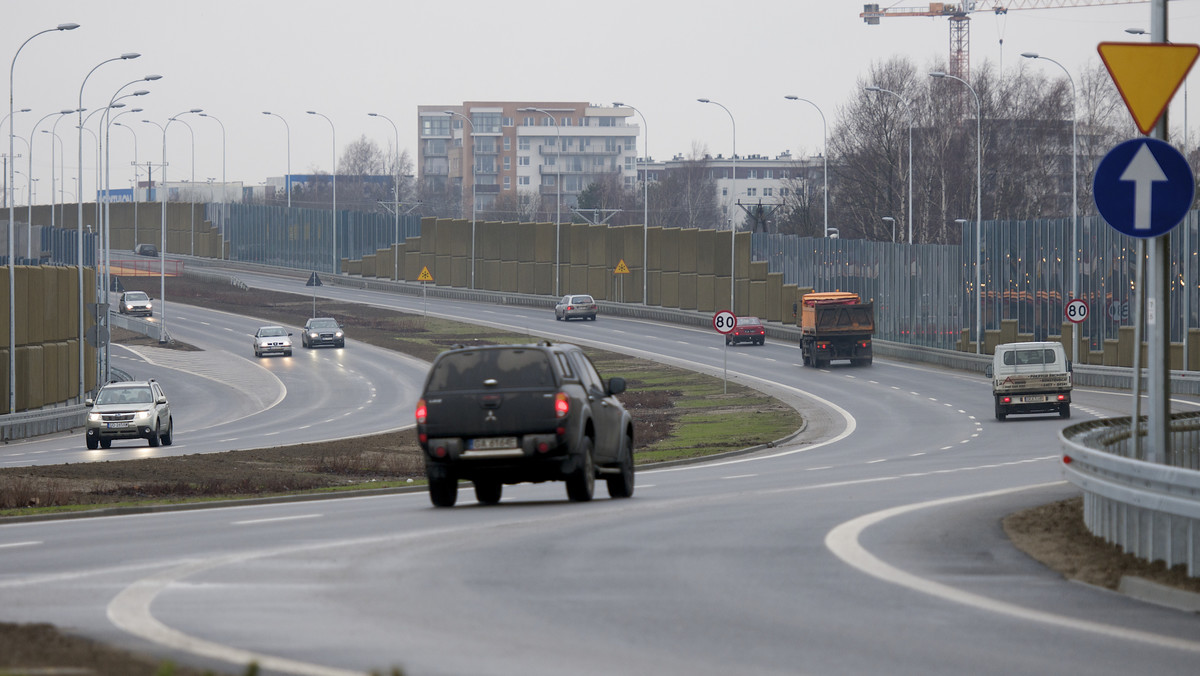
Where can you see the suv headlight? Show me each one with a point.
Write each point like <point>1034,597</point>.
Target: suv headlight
<point>94,417</point>
<point>142,415</point>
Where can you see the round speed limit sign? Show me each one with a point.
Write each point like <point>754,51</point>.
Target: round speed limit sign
<point>1077,310</point>
<point>724,321</point>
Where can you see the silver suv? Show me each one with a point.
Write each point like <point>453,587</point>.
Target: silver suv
<point>136,409</point>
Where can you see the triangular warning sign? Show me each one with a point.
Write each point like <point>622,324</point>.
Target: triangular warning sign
<point>622,269</point>
<point>425,276</point>
<point>1147,75</point>
<point>314,280</point>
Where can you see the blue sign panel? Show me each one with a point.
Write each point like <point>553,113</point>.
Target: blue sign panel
<point>1144,187</point>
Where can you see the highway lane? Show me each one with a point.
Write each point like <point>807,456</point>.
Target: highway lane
<point>823,555</point>
<point>224,398</point>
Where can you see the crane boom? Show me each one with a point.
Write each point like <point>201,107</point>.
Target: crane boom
<point>959,13</point>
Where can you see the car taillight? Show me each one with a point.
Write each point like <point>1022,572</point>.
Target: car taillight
<point>562,405</point>
<point>1062,397</point>
<point>1005,400</point>
<point>422,412</point>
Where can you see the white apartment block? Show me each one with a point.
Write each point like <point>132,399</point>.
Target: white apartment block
<point>508,147</point>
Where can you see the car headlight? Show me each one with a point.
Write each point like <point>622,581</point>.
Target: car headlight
<point>93,417</point>
<point>313,334</point>
<point>142,415</point>
<point>338,334</point>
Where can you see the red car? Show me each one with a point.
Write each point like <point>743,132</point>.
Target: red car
<point>749,330</point>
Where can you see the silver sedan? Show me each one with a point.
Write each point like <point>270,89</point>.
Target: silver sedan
<point>272,340</point>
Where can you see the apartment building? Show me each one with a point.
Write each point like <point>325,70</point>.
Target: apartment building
<point>514,147</point>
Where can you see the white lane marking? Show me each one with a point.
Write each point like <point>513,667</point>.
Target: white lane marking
<point>914,455</point>
<point>814,469</point>
<point>29,543</point>
<point>843,541</point>
<point>945,448</point>
<point>739,476</point>
<point>873,462</point>
<point>276,519</point>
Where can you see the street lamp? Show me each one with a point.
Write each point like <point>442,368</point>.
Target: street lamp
<point>221,224</point>
<point>558,185</point>
<point>135,155</point>
<point>287,180</point>
<point>396,206</point>
<point>162,250</point>
<point>1075,194</point>
<point>474,170</point>
<point>733,196</point>
<point>645,204</point>
<point>889,219</point>
<point>79,211</point>
<point>29,239</point>
<point>978,207</point>
<point>192,182</point>
<point>12,215</point>
<point>333,135</point>
<point>825,154</point>
<point>908,106</point>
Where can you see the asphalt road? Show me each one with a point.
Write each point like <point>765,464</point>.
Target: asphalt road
<point>871,544</point>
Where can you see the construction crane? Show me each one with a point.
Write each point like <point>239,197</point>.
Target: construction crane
<point>960,20</point>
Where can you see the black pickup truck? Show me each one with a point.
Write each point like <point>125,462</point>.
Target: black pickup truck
<point>507,414</point>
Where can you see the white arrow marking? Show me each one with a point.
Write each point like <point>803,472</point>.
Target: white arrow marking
<point>1143,170</point>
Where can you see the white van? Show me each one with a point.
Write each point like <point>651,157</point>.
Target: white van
<point>1031,378</point>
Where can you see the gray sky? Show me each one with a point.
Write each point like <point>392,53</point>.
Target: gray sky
<point>237,58</point>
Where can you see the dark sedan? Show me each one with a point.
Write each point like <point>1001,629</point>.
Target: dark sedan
<point>323,331</point>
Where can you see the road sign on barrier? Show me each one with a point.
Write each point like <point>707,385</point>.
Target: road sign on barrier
<point>1144,187</point>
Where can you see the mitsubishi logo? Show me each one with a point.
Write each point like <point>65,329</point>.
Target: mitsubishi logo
<point>490,417</point>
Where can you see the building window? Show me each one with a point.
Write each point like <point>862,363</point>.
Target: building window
<point>770,173</point>
<point>522,160</point>
<point>753,173</point>
<point>435,125</point>
<point>608,121</point>
<point>435,146</point>
<point>507,162</point>
<point>527,122</point>
<point>784,192</point>
<point>751,192</point>
<point>768,192</point>
<point>523,143</point>
<point>724,192</point>
<point>783,173</point>
<point>485,123</point>
<point>522,180</point>
<point>508,182</point>
<point>507,143</point>
<point>507,121</point>
<point>566,122</point>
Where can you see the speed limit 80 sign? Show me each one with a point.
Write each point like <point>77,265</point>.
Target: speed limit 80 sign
<point>724,321</point>
<point>1076,310</point>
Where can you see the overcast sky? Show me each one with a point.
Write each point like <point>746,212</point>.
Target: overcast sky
<point>237,58</point>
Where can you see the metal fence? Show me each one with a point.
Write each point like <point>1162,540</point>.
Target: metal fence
<point>925,293</point>
<point>1151,510</point>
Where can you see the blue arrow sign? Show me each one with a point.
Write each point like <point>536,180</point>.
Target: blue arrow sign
<point>1144,187</point>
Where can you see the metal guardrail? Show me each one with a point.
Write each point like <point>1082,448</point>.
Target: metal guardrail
<point>1148,509</point>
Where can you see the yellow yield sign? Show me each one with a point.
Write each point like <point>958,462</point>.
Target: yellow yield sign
<point>622,269</point>
<point>1147,75</point>
<point>425,276</point>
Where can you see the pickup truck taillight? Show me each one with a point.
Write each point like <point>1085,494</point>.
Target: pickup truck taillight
<point>422,412</point>
<point>562,405</point>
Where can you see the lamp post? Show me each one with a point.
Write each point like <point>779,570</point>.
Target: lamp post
<point>333,136</point>
<point>1075,197</point>
<point>978,207</point>
<point>162,250</point>
<point>732,223</point>
<point>79,211</point>
<point>12,324</point>
<point>287,180</point>
<point>645,204</point>
<point>825,154</point>
<point>474,169</point>
<point>29,239</point>
<point>133,134</point>
<point>192,181</point>
<point>54,139</point>
<point>221,224</point>
<point>889,219</point>
<point>908,107</point>
<point>558,185</point>
<point>396,207</point>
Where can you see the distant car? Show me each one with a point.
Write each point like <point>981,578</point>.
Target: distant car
<point>135,303</point>
<point>323,331</point>
<point>749,330</point>
<point>272,340</point>
<point>576,307</point>
<point>146,250</point>
<point>129,410</point>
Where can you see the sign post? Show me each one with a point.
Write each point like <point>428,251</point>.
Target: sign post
<point>725,322</point>
<point>423,278</point>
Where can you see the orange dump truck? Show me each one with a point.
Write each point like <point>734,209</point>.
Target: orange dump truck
<point>835,325</point>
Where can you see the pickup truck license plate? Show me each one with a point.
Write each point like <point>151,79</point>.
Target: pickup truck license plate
<point>1033,399</point>
<point>492,443</point>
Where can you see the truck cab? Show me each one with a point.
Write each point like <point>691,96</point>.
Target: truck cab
<point>1031,377</point>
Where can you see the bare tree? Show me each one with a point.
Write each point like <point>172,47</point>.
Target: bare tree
<point>686,195</point>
